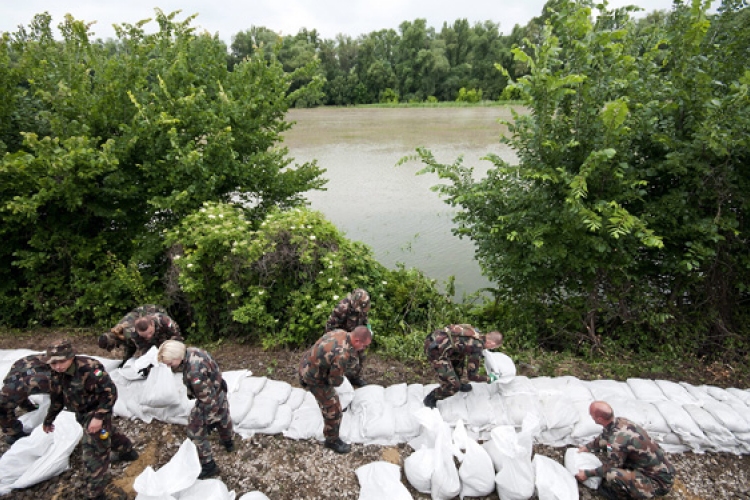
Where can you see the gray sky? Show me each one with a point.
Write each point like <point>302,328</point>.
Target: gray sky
<point>329,17</point>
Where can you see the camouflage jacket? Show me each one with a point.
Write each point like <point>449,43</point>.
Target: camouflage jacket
<point>202,377</point>
<point>628,446</point>
<point>165,328</point>
<point>329,360</point>
<point>85,388</point>
<point>346,317</point>
<point>454,343</point>
<point>28,375</point>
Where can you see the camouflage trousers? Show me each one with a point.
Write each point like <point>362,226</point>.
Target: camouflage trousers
<point>449,375</point>
<point>96,454</point>
<point>202,419</point>
<point>628,484</point>
<point>15,394</point>
<point>330,407</point>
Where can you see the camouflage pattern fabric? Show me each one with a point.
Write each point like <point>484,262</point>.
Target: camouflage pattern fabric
<point>349,314</point>
<point>323,368</point>
<point>202,377</point>
<point>124,334</point>
<point>634,466</point>
<point>87,390</point>
<point>28,375</point>
<point>448,351</point>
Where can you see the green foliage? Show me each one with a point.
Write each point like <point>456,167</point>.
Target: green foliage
<point>471,95</point>
<point>110,145</point>
<point>279,283</point>
<point>624,218</point>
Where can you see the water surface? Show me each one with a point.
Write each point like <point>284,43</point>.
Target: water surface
<point>387,207</point>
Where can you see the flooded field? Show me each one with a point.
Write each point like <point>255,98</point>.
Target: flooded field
<point>388,207</point>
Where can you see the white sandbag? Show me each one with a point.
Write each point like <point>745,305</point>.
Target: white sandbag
<point>568,386</point>
<point>698,392</point>
<point>719,437</point>
<point>454,408</point>
<point>644,414</point>
<point>367,395</point>
<point>646,390</point>
<point>380,480</point>
<point>553,481</point>
<point>519,385</point>
<point>499,411</point>
<point>500,364</point>
<point>430,421</point>
<point>261,414</point>
<point>722,395</point>
<point>477,472</point>
<point>518,406</point>
<point>206,489</point>
<point>396,395</point>
<point>307,422</point>
<point>39,456</point>
<point>605,390</point>
<point>34,419</point>
<point>406,425</point>
<point>676,393</point>
<point>727,416</point>
<point>583,460</point>
<point>254,495</point>
<point>296,397</point>
<point>13,355</point>
<point>682,424</point>
<point>239,405</point>
<point>445,481</point>
<point>515,477</point>
<point>109,365</point>
<point>252,384</point>
<point>281,421</point>
<point>479,407</point>
<point>277,390</point>
<point>345,393</point>
<point>162,387</point>
<point>179,473</point>
<point>418,468</point>
<point>559,417</point>
<point>351,428</point>
<point>234,378</point>
<point>743,394</point>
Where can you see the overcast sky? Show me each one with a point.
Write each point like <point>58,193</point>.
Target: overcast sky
<point>329,17</point>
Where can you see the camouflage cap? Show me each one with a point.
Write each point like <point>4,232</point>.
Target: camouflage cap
<point>60,351</point>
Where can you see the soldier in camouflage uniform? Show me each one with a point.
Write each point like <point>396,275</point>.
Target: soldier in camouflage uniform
<point>323,367</point>
<point>83,386</point>
<point>202,377</point>
<point>448,350</point>
<point>28,375</point>
<point>350,313</point>
<point>139,330</point>
<point>634,465</point>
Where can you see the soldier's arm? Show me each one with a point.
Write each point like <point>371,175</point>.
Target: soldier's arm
<point>169,327</point>
<point>57,403</point>
<point>339,367</point>
<point>99,382</point>
<point>336,320</point>
<point>473,364</point>
<point>129,350</point>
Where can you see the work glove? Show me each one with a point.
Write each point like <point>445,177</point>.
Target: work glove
<point>145,371</point>
<point>493,377</point>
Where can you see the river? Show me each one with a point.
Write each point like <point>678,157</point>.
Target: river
<point>387,207</point>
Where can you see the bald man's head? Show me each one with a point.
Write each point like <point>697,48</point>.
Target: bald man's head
<point>601,412</point>
<point>360,338</point>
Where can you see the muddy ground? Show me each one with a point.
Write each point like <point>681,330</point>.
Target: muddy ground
<point>286,469</point>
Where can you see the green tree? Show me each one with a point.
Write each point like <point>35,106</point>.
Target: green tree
<point>122,146</point>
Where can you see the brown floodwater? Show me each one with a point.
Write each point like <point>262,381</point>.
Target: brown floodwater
<point>390,208</point>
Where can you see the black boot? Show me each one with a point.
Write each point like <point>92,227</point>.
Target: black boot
<point>357,382</point>
<point>465,388</point>
<point>127,456</point>
<point>15,437</point>
<point>338,445</point>
<point>228,445</point>
<point>430,401</point>
<point>209,470</point>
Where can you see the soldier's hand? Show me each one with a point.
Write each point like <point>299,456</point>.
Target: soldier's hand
<point>48,428</point>
<point>104,342</point>
<point>493,377</point>
<point>145,371</point>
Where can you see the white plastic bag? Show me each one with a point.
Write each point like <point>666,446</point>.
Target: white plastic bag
<point>418,468</point>
<point>381,480</point>
<point>161,388</point>
<point>582,460</point>
<point>206,489</point>
<point>477,473</point>
<point>176,475</point>
<point>553,481</point>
